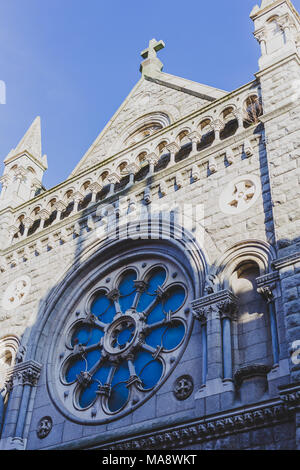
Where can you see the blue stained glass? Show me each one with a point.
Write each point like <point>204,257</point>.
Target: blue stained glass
<point>86,336</point>
<point>88,395</point>
<point>148,370</point>
<point>151,374</point>
<point>157,278</point>
<point>173,336</point>
<point>74,369</point>
<point>92,358</point>
<point>154,339</point>
<point>176,296</point>
<point>127,290</point>
<point>118,397</point>
<point>102,374</point>
<point>125,336</point>
<point>103,308</point>
<point>156,314</point>
<point>81,335</point>
<point>121,374</point>
<point>141,359</point>
<point>119,391</point>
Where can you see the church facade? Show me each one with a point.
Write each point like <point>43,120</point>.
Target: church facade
<point>151,300</point>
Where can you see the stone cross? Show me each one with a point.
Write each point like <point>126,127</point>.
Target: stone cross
<point>153,48</point>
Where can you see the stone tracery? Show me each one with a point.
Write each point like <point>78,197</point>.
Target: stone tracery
<point>126,342</point>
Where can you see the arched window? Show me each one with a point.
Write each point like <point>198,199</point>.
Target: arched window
<point>253,325</point>
<point>123,339</point>
<point>252,110</point>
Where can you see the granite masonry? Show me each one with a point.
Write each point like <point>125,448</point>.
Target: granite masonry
<point>151,300</point>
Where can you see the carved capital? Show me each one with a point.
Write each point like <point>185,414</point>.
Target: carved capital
<point>266,285</point>
<point>60,206</point>
<point>201,314</point>
<point>132,168</point>
<point>173,147</point>
<point>194,136</point>
<point>27,222</point>
<point>95,187</point>
<point>24,373</point>
<point>152,158</point>
<point>227,308</point>
<point>260,35</point>
<point>217,125</point>
<point>114,178</point>
<point>44,214</point>
<point>78,196</point>
<point>223,303</point>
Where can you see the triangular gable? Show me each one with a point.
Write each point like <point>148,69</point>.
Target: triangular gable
<point>162,93</point>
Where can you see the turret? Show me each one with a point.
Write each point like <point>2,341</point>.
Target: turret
<point>277,29</point>
<point>24,169</point>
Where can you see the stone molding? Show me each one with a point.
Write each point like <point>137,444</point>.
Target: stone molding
<point>207,428</point>
<point>266,285</point>
<point>286,261</point>
<point>78,180</point>
<point>223,303</point>
<point>249,371</point>
<point>25,373</point>
<point>290,395</point>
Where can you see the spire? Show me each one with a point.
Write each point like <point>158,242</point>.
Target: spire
<point>32,141</point>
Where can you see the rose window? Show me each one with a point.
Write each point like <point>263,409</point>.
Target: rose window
<point>124,339</point>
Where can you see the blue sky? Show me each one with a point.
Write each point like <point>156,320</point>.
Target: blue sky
<point>73,62</point>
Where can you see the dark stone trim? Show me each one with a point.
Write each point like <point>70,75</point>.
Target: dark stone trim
<point>178,88</point>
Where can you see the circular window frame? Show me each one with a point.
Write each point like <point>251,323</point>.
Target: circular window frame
<point>223,199</point>
<point>80,307</point>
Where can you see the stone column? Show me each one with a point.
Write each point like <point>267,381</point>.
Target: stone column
<point>201,315</point>
<point>95,188</point>
<point>20,174</point>
<point>218,310</point>
<point>44,215</point>
<point>5,180</point>
<point>59,206</point>
<point>267,286</point>
<point>113,179</point>
<point>217,126</point>
<point>78,198</point>
<point>152,159</point>
<point>260,35</point>
<point>239,116</point>
<point>173,148</point>
<point>27,222</point>
<point>194,137</point>
<point>227,310</point>
<point>22,378</point>
<point>131,169</point>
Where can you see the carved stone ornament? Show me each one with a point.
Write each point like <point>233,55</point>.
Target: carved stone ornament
<point>222,303</point>
<point>251,370</point>
<point>183,387</point>
<point>44,427</point>
<point>16,293</point>
<point>240,194</point>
